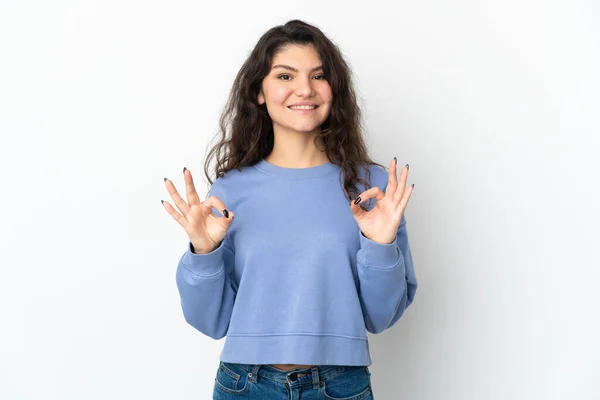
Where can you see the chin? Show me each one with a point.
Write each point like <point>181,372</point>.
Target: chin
<point>305,129</point>
<point>301,127</point>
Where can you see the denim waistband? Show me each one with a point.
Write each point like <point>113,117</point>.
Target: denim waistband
<point>298,374</point>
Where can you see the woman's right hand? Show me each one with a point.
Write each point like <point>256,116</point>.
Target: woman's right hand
<point>205,230</point>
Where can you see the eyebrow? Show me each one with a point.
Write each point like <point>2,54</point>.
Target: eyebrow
<point>320,67</point>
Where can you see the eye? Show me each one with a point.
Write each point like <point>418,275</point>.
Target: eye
<point>279,77</point>
<point>320,77</point>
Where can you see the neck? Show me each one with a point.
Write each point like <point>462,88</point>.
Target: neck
<point>296,150</point>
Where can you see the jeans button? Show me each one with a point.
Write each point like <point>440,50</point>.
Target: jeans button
<point>293,376</point>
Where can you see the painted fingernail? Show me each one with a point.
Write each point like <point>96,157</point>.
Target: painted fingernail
<point>413,185</point>
<point>184,168</point>
<point>162,202</point>
<point>165,179</point>
<point>395,160</point>
<point>357,200</point>
<point>226,213</point>
<point>407,167</point>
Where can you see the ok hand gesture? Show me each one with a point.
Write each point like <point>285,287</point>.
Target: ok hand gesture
<point>205,230</point>
<point>381,223</point>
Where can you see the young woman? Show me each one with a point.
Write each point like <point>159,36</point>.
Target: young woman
<point>306,249</point>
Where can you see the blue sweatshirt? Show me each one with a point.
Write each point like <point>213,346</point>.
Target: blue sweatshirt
<point>295,281</point>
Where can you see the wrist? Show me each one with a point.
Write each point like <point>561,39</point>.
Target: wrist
<point>200,250</point>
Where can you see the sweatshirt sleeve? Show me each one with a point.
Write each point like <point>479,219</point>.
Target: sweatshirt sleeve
<point>206,288</point>
<point>387,279</point>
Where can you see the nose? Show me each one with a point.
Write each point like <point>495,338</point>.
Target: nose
<point>304,87</point>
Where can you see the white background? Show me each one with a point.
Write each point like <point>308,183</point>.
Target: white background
<point>495,105</point>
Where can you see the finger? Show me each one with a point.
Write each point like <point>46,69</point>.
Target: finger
<point>190,188</point>
<point>214,201</point>
<point>392,179</point>
<point>181,220</point>
<point>177,200</point>
<point>374,192</point>
<point>401,188</point>
<point>404,202</point>
<point>356,209</point>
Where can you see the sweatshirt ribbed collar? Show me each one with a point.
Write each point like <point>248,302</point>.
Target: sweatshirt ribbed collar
<point>296,173</point>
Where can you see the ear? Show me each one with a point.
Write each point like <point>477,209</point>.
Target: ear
<point>261,98</point>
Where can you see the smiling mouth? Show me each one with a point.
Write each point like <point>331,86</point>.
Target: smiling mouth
<point>303,107</point>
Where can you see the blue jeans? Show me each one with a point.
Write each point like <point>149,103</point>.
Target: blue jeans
<point>264,382</point>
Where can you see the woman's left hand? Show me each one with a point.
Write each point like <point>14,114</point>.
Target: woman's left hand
<point>381,223</point>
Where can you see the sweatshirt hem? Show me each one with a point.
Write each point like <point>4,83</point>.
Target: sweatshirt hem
<point>296,348</point>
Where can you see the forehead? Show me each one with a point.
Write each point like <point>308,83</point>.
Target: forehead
<point>296,55</point>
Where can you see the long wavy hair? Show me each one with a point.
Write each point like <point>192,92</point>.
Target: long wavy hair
<point>246,129</point>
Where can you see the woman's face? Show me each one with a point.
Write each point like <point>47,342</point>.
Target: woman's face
<point>296,78</point>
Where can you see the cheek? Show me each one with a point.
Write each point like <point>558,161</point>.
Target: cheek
<point>326,94</point>
<point>279,95</point>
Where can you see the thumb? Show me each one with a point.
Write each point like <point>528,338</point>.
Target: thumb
<point>356,209</point>
<point>227,217</point>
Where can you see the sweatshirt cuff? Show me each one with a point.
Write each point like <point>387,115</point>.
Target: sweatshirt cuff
<point>377,255</point>
<point>205,265</point>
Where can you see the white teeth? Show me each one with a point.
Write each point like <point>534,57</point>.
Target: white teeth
<point>303,107</point>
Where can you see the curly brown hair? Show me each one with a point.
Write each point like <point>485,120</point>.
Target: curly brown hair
<point>251,128</point>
